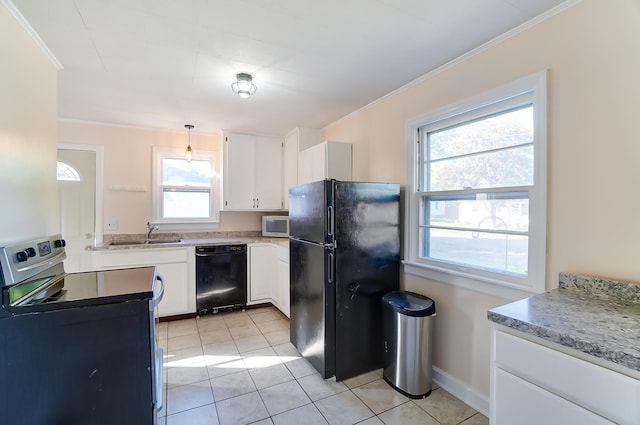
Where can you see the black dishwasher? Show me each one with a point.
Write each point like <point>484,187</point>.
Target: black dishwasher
<point>221,277</point>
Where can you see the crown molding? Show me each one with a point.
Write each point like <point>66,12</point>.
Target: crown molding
<point>8,4</point>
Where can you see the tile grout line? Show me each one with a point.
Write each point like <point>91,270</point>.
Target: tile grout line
<point>271,315</point>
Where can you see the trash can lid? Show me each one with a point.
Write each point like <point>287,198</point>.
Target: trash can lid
<point>410,303</point>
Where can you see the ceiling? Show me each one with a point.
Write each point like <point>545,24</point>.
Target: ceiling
<point>165,63</point>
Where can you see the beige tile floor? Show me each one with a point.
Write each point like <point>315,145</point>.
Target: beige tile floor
<point>240,368</point>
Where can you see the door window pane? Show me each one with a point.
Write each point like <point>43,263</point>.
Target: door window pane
<point>66,172</point>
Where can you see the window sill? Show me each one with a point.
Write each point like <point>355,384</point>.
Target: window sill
<point>471,282</point>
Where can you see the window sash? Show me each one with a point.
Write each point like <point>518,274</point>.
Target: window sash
<point>164,214</point>
<point>173,211</point>
<point>522,106</point>
<point>486,239</point>
<point>529,90</point>
<point>521,193</point>
<point>474,155</point>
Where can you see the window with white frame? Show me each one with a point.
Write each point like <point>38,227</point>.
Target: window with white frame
<point>185,192</point>
<point>477,204</point>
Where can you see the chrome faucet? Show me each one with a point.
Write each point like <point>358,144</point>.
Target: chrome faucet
<point>150,228</point>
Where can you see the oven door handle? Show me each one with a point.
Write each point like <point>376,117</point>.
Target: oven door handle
<point>157,295</point>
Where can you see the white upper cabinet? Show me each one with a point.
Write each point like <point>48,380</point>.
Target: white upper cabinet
<point>326,160</point>
<point>252,173</point>
<point>297,139</point>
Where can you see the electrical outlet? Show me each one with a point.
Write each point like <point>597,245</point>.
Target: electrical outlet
<point>112,224</point>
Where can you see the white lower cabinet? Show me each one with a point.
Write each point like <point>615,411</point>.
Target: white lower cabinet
<point>533,383</point>
<point>281,290</point>
<point>177,296</point>
<point>175,265</point>
<point>261,272</point>
<point>269,275</point>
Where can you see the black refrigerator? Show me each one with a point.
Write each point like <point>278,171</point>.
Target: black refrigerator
<point>344,256</point>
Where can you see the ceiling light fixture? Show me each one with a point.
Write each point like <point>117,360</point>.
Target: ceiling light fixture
<point>244,86</point>
<point>188,153</point>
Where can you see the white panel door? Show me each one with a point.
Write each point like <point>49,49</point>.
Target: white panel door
<point>77,208</point>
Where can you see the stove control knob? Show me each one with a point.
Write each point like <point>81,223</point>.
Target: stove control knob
<point>22,256</point>
<point>60,243</point>
<point>30,252</point>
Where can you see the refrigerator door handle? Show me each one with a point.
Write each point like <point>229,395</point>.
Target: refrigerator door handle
<point>330,268</point>
<point>330,220</point>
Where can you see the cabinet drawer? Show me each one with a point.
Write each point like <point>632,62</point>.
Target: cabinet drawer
<point>603,391</point>
<point>142,257</point>
<point>526,404</point>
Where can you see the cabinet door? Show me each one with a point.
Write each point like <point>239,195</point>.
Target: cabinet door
<point>304,166</point>
<point>338,161</point>
<point>326,160</point>
<point>283,287</point>
<point>268,173</point>
<point>174,265</point>
<point>290,166</point>
<point>261,268</point>
<point>176,290</point>
<point>312,164</point>
<point>239,172</point>
<point>318,162</point>
<point>597,389</point>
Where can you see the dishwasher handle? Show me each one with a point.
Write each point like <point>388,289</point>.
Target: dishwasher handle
<point>214,250</point>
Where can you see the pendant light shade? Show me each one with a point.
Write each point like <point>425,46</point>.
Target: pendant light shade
<point>188,152</point>
<point>244,86</point>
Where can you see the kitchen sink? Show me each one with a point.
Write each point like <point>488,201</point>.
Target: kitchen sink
<point>162,241</point>
<point>145,242</point>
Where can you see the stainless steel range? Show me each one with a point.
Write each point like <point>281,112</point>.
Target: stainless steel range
<point>76,348</point>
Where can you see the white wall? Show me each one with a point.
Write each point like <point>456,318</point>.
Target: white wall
<point>127,162</point>
<point>28,93</point>
<point>592,52</point>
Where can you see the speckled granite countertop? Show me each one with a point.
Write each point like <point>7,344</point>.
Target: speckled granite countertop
<point>136,241</point>
<point>596,316</point>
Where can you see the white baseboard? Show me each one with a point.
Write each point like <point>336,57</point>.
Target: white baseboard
<point>461,390</point>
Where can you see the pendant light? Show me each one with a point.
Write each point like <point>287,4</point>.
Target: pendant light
<point>244,86</point>
<point>188,153</point>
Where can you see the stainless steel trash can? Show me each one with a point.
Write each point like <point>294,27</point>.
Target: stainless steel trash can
<point>407,329</point>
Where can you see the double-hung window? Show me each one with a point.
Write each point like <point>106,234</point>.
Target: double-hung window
<point>185,192</point>
<point>477,204</point>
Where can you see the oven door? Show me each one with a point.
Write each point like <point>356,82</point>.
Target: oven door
<point>156,349</point>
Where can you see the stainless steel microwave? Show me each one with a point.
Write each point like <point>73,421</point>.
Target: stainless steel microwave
<point>275,226</point>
